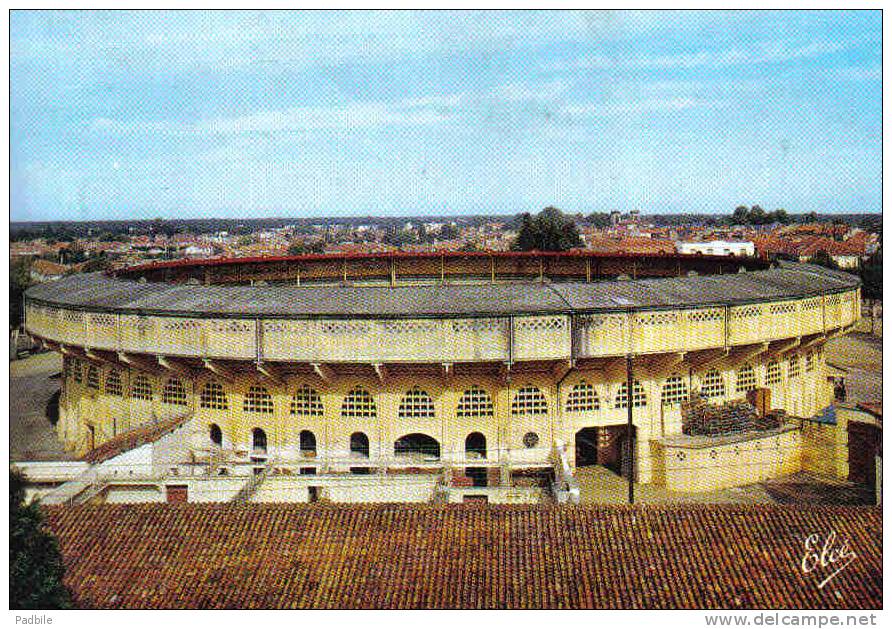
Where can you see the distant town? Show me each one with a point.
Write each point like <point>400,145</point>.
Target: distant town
<point>54,249</point>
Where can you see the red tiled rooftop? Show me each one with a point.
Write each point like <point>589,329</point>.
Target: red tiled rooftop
<point>134,438</point>
<point>46,267</point>
<point>426,556</point>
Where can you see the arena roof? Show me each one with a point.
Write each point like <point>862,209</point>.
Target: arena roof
<point>100,292</point>
<point>427,556</point>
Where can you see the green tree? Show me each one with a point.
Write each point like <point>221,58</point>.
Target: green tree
<point>300,248</point>
<point>550,230</point>
<point>35,563</point>
<point>19,281</point>
<point>872,276</point>
<point>599,219</point>
<point>780,216</point>
<point>823,258</point>
<point>400,237</point>
<point>449,232</point>
<point>811,217</point>
<point>741,215</point>
<point>757,216</point>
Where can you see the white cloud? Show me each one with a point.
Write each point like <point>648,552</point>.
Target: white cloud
<point>631,107</point>
<point>761,53</point>
<point>546,91</point>
<point>410,112</point>
<point>416,111</point>
<point>857,73</point>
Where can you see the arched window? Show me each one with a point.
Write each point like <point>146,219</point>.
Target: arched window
<point>173,392</point>
<point>417,444</point>
<point>474,402</point>
<point>675,391</point>
<point>582,397</point>
<point>216,435</point>
<point>113,384</point>
<point>307,442</point>
<point>746,379</point>
<point>773,373</point>
<point>475,446</point>
<point>258,441</point>
<point>214,397</point>
<point>529,400</point>
<point>141,388</point>
<point>306,402</point>
<point>712,384</point>
<point>93,377</point>
<point>416,403</point>
<point>793,367</point>
<point>258,400</point>
<point>359,403</point>
<point>359,444</point>
<point>639,397</point>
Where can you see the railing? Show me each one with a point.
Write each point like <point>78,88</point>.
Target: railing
<point>75,491</point>
<point>488,339</point>
<point>254,481</point>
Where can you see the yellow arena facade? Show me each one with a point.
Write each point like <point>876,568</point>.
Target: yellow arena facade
<point>425,376</point>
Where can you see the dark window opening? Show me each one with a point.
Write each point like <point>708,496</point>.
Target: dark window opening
<point>258,441</point>
<point>475,446</point>
<point>359,444</point>
<point>216,435</point>
<point>417,445</point>
<point>587,447</point>
<point>478,475</point>
<point>307,443</point>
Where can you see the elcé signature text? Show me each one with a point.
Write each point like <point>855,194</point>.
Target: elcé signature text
<point>826,552</point>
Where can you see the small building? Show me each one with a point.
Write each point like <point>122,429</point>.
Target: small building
<point>718,248</point>
<point>45,271</point>
<point>864,429</point>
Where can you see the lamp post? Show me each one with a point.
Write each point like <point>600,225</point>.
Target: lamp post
<point>630,428</point>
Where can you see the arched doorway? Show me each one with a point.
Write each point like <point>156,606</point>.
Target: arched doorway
<point>307,443</point>
<point>258,441</point>
<point>359,445</point>
<point>417,445</point>
<point>625,459</point>
<point>475,446</point>
<point>216,435</point>
<point>587,447</point>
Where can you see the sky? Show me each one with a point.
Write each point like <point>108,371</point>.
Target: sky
<point>117,115</point>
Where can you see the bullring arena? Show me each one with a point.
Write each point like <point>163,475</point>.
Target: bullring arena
<point>436,376</point>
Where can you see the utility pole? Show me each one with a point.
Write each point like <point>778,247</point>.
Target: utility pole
<point>630,429</point>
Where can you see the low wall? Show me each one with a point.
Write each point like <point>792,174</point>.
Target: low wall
<point>696,464</point>
<point>499,495</point>
<point>397,488</point>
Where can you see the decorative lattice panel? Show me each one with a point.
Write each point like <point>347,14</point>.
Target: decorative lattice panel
<point>474,402</point>
<point>529,400</point>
